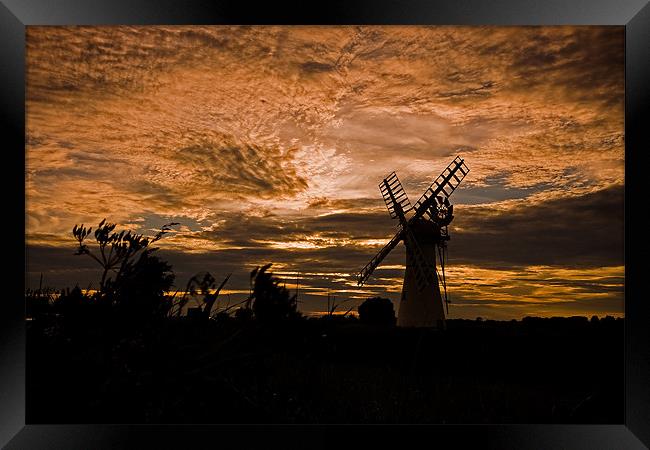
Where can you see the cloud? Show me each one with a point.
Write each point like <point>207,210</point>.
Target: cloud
<point>316,67</point>
<point>236,170</point>
<point>527,257</point>
<point>582,231</point>
<point>268,143</point>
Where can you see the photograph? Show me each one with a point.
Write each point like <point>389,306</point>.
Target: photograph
<point>325,224</point>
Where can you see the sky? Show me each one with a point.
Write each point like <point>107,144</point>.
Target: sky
<point>267,145</point>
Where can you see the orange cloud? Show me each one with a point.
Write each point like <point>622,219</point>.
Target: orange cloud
<point>270,141</point>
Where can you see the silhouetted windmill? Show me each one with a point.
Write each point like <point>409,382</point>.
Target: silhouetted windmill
<point>424,234</point>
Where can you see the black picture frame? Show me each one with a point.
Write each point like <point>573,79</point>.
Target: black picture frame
<point>633,14</point>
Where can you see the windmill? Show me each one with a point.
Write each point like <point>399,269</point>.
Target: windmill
<point>423,228</point>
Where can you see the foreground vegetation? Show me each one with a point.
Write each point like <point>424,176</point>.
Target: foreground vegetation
<point>126,354</point>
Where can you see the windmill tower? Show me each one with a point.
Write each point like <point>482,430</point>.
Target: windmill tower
<point>423,228</point>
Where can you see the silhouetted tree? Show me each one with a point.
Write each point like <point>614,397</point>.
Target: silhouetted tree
<point>115,251</point>
<point>271,302</point>
<point>137,292</point>
<point>377,311</point>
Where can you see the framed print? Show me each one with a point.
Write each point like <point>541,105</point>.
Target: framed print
<point>362,219</point>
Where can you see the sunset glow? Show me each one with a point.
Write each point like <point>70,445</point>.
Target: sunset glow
<point>267,145</point>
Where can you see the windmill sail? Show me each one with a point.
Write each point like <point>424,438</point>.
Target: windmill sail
<point>443,186</point>
<point>379,257</point>
<point>423,274</point>
<point>394,195</point>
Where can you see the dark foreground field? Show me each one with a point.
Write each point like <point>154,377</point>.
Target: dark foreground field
<point>327,371</point>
